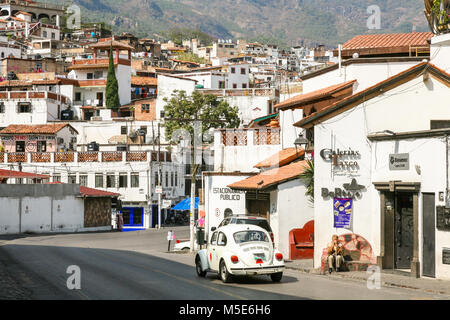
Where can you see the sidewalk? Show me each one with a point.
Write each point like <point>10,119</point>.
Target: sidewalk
<point>387,278</point>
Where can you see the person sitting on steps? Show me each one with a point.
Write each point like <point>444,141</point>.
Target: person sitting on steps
<point>335,251</point>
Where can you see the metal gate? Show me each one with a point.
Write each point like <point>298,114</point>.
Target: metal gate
<point>404,230</point>
<point>429,235</point>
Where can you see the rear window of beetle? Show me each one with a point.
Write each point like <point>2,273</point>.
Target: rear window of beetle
<point>250,236</point>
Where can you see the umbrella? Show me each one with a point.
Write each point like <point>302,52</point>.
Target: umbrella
<point>185,204</point>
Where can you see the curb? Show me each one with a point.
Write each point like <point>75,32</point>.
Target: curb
<point>361,279</point>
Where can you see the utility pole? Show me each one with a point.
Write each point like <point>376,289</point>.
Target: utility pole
<point>159,175</point>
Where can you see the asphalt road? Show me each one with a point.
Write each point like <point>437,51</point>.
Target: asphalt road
<point>134,265</point>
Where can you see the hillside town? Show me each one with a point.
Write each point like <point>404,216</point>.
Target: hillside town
<point>351,141</point>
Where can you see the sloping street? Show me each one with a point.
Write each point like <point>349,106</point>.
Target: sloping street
<point>135,265</point>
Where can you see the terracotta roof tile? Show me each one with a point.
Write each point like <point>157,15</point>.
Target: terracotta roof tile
<point>281,158</point>
<point>143,81</point>
<point>271,177</point>
<point>20,174</point>
<point>307,98</point>
<point>379,44</point>
<point>89,192</point>
<point>35,129</point>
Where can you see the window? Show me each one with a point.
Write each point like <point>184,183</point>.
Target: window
<point>233,70</point>
<point>42,146</point>
<point>98,74</point>
<point>99,180</point>
<point>123,180</point>
<point>83,179</point>
<point>2,107</point>
<point>250,236</point>
<point>167,179</point>
<point>145,108</point>
<point>110,180</point>
<point>19,181</point>
<point>24,107</point>
<point>123,130</point>
<point>57,178</point>
<point>20,146</point>
<point>144,129</point>
<point>176,179</point>
<point>214,239</point>
<point>90,76</point>
<point>171,179</point>
<point>135,180</point>
<point>243,71</point>
<point>126,215</point>
<point>72,179</point>
<point>221,84</point>
<point>3,55</point>
<point>53,35</point>
<point>222,239</point>
<point>234,85</point>
<point>77,96</point>
<point>244,86</point>
<point>44,34</point>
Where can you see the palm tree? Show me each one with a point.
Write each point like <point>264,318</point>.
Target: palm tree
<point>308,177</point>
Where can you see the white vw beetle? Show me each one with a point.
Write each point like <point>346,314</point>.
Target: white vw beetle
<point>240,250</point>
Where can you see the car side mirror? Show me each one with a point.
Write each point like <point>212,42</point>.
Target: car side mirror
<point>213,229</point>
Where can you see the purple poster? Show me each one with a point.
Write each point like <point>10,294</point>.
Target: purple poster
<point>342,209</point>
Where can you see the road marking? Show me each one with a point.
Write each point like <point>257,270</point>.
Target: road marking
<point>178,278</point>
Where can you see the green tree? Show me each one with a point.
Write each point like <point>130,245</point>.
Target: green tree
<point>112,86</point>
<point>213,113</point>
<point>308,177</point>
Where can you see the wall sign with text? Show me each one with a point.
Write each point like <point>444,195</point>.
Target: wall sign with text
<point>342,159</point>
<point>399,161</point>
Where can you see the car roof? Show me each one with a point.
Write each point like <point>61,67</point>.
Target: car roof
<point>232,228</point>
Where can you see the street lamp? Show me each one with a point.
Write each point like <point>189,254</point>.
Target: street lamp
<point>299,142</point>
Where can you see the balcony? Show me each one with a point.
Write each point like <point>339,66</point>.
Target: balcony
<point>83,157</point>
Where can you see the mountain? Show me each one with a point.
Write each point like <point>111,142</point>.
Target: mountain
<point>286,22</point>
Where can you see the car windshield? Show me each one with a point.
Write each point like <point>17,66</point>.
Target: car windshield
<point>256,222</point>
<point>250,236</point>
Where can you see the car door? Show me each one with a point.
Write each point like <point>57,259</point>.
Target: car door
<point>212,247</point>
<point>221,247</point>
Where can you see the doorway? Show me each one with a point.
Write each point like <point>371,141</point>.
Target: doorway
<point>404,230</point>
<point>429,235</point>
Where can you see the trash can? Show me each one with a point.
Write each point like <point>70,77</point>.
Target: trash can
<point>200,236</point>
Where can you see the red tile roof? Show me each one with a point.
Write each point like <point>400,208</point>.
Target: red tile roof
<point>35,129</point>
<point>271,177</point>
<point>143,81</point>
<point>281,158</point>
<point>379,44</point>
<point>308,98</point>
<point>90,192</point>
<point>20,174</point>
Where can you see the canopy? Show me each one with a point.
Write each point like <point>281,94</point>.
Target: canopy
<point>185,204</point>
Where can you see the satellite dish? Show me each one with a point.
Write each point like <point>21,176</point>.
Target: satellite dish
<point>356,55</point>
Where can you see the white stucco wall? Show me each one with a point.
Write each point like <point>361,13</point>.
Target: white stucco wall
<point>440,51</point>
<point>418,101</point>
<point>289,209</point>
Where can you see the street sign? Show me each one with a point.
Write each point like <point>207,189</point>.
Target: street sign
<point>166,204</point>
<point>170,236</point>
<point>158,189</point>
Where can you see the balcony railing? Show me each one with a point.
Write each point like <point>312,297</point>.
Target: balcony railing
<point>247,137</point>
<point>84,157</point>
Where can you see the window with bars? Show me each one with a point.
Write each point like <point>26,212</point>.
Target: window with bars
<point>99,180</point>
<point>171,179</point>
<point>135,180</point>
<point>83,180</point>
<point>110,180</point>
<point>72,179</point>
<point>123,180</point>
<point>56,178</point>
<point>24,107</point>
<point>2,107</point>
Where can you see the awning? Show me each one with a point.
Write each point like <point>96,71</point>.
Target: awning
<point>185,204</point>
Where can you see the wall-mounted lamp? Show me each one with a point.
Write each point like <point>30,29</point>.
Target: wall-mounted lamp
<point>300,141</point>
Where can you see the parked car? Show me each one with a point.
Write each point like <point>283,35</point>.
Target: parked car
<point>244,219</point>
<point>182,246</point>
<point>240,249</point>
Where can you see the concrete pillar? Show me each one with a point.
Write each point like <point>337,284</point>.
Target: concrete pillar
<point>57,20</point>
<point>415,264</point>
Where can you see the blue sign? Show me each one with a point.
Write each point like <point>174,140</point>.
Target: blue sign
<point>342,209</point>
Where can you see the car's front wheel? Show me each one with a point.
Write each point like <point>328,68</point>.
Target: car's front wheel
<point>198,268</point>
<point>225,276</point>
<point>276,277</point>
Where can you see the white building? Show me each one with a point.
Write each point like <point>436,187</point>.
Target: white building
<point>376,148</point>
